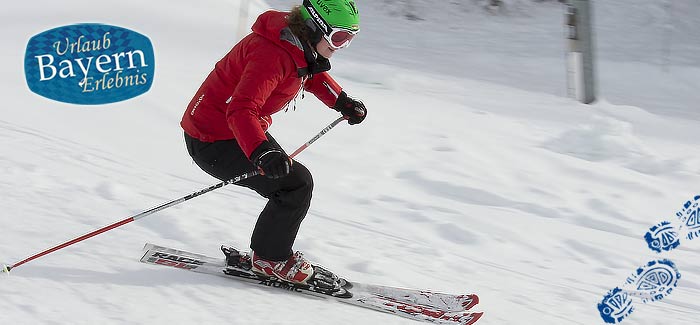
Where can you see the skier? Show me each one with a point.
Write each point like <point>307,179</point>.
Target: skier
<point>226,122</point>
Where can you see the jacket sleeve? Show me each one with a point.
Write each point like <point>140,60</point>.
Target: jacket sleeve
<point>324,87</point>
<point>262,73</point>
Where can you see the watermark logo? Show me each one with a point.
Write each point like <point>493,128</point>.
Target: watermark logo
<point>615,306</point>
<point>658,278</point>
<point>663,236</point>
<point>89,64</point>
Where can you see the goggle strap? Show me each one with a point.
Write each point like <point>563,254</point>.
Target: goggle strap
<point>322,23</point>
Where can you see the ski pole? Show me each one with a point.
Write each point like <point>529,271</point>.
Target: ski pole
<point>7,268</point>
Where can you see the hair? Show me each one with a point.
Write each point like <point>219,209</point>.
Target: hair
<point>297,25</point>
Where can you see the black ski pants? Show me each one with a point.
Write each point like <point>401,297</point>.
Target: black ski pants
<point>288,197</point>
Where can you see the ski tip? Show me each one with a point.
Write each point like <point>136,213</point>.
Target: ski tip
<point>470,301</point>
<point>473,317</point>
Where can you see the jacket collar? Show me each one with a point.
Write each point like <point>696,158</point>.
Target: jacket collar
<point>273,26</point>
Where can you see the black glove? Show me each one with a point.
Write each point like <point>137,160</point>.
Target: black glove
<point>272,161</point>
<point>353,109</point>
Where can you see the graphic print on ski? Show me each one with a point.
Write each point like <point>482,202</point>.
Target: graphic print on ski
<point>418,305</point>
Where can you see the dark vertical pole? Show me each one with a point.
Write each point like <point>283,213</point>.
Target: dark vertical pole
<point>581,71</point>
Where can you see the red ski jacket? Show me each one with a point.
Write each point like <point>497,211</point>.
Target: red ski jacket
<point>257,78</point>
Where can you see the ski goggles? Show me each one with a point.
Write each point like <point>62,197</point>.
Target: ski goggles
<point>340,38</point>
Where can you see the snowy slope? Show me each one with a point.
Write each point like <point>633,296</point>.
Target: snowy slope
<point>647,51</point>
<point>468,175</point>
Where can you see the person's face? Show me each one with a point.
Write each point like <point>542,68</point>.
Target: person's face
<point>324,49</point>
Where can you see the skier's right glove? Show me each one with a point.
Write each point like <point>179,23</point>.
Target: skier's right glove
<point>272,161</point>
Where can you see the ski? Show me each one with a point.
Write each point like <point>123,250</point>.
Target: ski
<point>438,308</point>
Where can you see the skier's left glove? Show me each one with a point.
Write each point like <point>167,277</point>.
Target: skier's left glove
<point>353,109</point>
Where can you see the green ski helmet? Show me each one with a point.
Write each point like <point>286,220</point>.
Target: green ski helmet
<point>338,20</point>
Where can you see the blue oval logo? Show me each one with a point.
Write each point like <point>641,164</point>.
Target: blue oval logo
<point>89,64</point>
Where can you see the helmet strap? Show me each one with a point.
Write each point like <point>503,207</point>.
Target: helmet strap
<point>315,63</point>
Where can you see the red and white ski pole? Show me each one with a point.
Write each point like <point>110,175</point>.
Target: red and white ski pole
<point>7,268</point>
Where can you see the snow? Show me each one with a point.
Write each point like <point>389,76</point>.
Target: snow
<point>472,173</point>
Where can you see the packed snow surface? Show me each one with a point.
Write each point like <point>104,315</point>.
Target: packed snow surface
<point>473,171</point>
